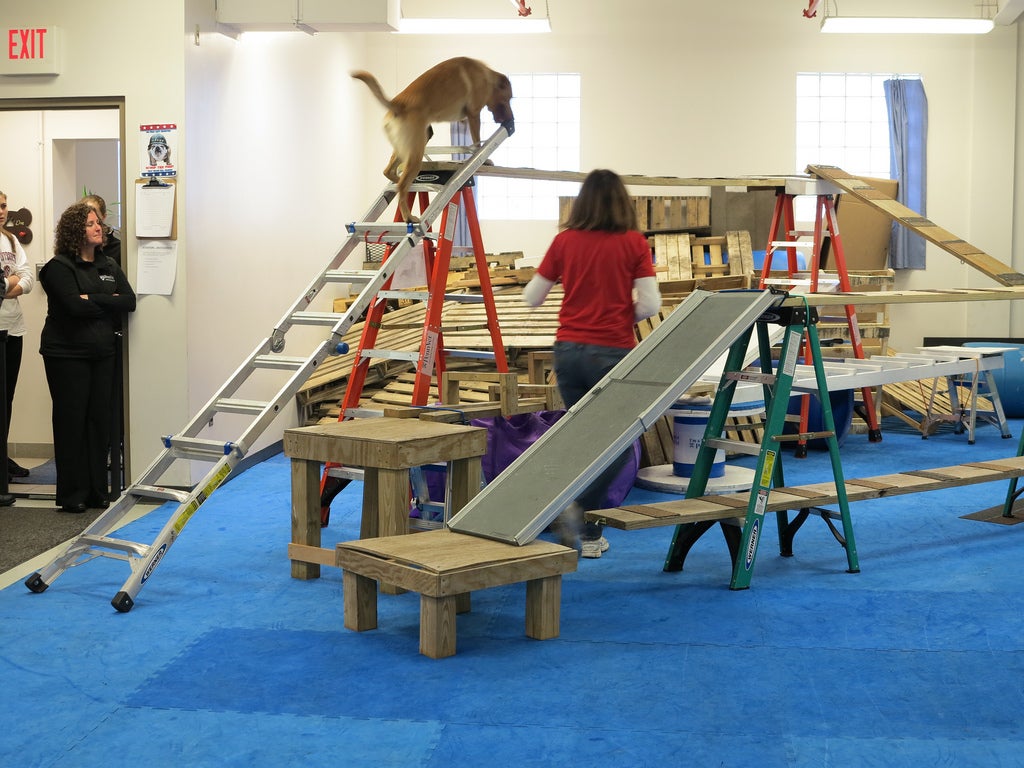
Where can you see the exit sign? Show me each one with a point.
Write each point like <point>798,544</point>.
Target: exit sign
<point>30,51</point>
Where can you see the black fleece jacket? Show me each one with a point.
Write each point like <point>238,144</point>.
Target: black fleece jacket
<point>77,327</point>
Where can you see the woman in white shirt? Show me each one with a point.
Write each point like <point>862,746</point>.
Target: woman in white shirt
<point>17,280</point>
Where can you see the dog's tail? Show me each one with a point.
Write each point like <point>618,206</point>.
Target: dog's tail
<point>374,86</point>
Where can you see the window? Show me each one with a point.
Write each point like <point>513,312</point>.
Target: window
<point>547,136</point>
<point>841,120</point>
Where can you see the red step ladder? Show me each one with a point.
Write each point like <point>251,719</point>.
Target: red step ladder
<point>824,220</point>
<point>430,361</point>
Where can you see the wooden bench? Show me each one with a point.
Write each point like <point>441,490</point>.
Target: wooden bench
<point>444,568</point>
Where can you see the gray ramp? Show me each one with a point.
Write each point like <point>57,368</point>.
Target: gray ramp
<point>524,499</point>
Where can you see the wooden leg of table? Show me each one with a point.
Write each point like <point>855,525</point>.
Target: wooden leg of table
<point>305,513</point>
<point>543,607</point>
<point>393,502</point>
<point>369,523</point>
<point>437,626</point>
<point>463,602</point>
<point>465,482</point>
<point>392,510</point>
<point>359,601</point>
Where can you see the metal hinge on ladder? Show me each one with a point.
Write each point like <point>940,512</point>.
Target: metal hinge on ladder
<point>233,410</point>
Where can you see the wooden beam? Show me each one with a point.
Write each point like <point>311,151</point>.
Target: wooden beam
<point>905,297</point>
<point>915,222</point>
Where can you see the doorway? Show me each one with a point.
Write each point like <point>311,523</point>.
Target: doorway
<point>56,150</point>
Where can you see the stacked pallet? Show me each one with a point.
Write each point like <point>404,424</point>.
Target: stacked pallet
<point>662,213</point>
<point>692,262</point>
<point>464,326</point>
<point>685,263</point>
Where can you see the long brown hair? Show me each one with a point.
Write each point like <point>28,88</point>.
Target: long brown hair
<point>602,204</point>
<point>70,231</point>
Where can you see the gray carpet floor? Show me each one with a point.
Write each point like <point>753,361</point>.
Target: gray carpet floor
<point>26,531</point>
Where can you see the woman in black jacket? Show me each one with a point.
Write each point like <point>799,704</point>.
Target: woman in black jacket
<point>86,295</point>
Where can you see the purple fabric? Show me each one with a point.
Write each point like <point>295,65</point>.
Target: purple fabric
<point>508,437</point>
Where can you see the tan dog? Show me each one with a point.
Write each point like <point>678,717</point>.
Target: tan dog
<point>456,89</point>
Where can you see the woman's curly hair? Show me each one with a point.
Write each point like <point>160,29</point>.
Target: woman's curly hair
<point>70,232</point>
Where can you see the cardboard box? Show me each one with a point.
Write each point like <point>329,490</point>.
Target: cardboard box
<point>865,231</point>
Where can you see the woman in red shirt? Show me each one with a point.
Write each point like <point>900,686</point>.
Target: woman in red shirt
<point>604,264</point>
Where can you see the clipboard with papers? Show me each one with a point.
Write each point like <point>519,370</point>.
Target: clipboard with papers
<point>154,208</point>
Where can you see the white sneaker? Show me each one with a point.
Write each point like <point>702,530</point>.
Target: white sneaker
<point>593,548</point>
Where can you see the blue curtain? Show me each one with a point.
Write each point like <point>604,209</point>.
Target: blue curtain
<point>908,163</point>
<point>462,242</point>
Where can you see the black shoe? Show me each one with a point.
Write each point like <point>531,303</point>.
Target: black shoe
<point>14,469</point>
<point>97,504</point>
<point>74,508</point>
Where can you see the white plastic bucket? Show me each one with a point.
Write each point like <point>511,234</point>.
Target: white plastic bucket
<point>689,421</point>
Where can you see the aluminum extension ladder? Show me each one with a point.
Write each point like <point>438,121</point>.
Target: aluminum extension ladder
<point>800,324</point>
<point>194,442</point>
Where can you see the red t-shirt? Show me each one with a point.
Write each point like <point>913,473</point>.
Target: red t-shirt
<point>597,270</point>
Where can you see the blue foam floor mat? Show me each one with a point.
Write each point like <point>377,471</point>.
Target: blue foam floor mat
<point>227,661</point>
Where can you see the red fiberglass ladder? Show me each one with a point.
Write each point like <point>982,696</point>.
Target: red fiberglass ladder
<point>430,360</point>
<point>824,218</point>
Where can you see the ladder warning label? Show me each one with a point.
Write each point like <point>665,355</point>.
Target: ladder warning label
<point>768,469</point>
<point>207,491</point>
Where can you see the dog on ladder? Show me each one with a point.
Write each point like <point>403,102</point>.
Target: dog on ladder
<point>456,89</point>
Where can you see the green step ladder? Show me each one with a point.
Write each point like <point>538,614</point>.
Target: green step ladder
<point>801,330</point>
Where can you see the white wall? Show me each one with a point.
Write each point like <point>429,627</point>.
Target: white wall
<point>280,148</point>
<point>114,50</point>
<point>277,169</point>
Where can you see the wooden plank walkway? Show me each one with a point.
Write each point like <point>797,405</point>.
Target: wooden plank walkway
<point>734,505</point>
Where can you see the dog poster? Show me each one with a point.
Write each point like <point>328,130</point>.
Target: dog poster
<point>158,149</point>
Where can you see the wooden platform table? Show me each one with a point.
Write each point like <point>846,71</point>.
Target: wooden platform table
<point>444,567</point>
<point>386,449</point>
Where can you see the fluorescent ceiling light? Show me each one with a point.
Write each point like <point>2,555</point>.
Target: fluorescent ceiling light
<point>407,26</point>
<point>890,25</point>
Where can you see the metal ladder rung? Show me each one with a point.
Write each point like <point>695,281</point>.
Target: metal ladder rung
<point>395,230</point>
<point>159,492</point>
<point>364,413</point>
<point>392,354</point>
<point>278,362</point>
<point>349,275</point>
<point>199,449</point>
<point>752,376</point>
<point>119,545</point>
<point>410,295</point>
<point>233,405</point>
<point>734,446</point>
<point>346,473</point>
<point>316,318</point>
<point>470,354</point>
<point>791,244</point>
